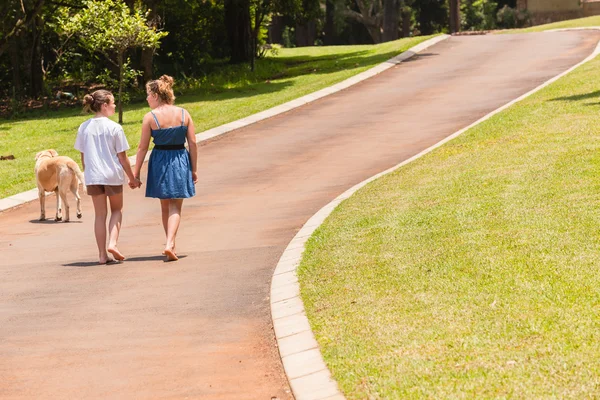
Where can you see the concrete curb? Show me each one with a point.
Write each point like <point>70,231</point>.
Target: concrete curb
<point>30,195</point>
<point>584,28</point>
<point>307,373</point>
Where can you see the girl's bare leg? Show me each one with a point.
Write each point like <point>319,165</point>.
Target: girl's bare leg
<point>100,211</point>
<point>171,216</point>
<point>114,225</point>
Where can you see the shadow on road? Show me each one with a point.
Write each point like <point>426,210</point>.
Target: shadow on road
<point>129,259</point>
<point>53,221</point>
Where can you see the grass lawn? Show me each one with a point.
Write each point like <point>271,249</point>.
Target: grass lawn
<point>235,93</point>
<point>473,272</point>
<point>573,23</point>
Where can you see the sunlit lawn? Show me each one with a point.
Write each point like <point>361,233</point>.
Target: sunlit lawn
<point>473,272</point>
<point>235,93</point>
<point>573,23</point>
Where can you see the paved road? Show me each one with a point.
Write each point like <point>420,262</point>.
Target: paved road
<point>200,328</point>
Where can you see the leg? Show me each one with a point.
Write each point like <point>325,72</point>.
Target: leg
<point>100,211</point>
<point>173,220</point>
<point>114,225</point>
<point>164,208</point>
<point>63,187</point>
<point>58,216</point>
<point>75,190</point>
<point>42,197</point>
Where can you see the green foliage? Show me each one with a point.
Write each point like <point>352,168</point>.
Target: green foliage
<point>478,15</point>
<point>110,27</point>
<point>288,38</point>
<point>130,76</point>
<point>197,36</point>
<point>509,18</point>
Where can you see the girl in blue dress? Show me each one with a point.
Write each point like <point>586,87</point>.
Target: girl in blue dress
<point>171,168</point>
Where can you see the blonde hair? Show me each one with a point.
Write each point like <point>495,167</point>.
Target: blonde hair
<point>93,102</point>
<point>163,87</point>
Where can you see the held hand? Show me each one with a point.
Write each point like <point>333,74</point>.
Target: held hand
<point>134,184</point>
<point>195,177</point>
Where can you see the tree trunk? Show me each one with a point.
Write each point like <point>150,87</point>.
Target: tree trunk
<point>19,25</point>
<point>147,56</point>
<point>329,23</point>
<point>146,63</point>
<point>306,34</point>
<point>120,87</point>
<point>237,20</point>
<point>15,64</point>
<point>406,16</point>
<point>454,16</point>
<point>276,29</point>
<point>36,72</point>
<point>255,31</point>
<point>390,20</point>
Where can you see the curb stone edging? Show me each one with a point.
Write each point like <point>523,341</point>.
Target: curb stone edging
<point>31,195</point>
<point>309,377</point>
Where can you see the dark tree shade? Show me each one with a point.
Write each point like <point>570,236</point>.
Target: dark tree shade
<point>237,21</point>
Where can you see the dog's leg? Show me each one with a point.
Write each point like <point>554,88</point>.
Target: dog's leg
<point>75,191</point>
<point>63,187</point>
<point>42,196</point>
<point>58,206</point>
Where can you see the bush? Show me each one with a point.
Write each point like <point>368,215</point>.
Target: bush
<point>509,18</point>
<point>478,15</point>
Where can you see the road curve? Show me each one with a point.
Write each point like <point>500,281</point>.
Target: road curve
<point>200,328</point>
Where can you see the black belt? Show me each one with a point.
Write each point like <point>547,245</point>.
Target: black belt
<point>169,146</point>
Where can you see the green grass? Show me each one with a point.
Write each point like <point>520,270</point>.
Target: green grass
<point>233,93</point>
<point>573,23</point>
<point>473,272</point>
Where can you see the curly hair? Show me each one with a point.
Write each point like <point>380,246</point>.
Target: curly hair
<point>163,87</point>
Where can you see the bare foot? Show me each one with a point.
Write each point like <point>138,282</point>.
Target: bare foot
<point>173,251</point>
<point>107,261</point>
<point>116,253</point>
<point>171,256</point>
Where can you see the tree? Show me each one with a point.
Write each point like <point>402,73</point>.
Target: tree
<point>454,16</point>
<point>369,14</point>
<point>237,21</point>
<point>16,18</point>
<point>111,28</point>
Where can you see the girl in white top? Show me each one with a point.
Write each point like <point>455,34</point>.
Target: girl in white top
<point>103,147</point>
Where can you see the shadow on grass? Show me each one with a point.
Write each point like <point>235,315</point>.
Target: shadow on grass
<point>577,97</point>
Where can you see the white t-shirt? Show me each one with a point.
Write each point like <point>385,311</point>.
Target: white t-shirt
<point>100,139</point>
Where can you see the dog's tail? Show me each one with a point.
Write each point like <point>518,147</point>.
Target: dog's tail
<point>75,168</point>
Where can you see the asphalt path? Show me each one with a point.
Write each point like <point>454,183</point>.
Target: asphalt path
<point>200,328</point>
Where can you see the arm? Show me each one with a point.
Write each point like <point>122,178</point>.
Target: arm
<point>143,146</point>
<point>124,160</point>
<point>82,162</point>
<point>192,146</point>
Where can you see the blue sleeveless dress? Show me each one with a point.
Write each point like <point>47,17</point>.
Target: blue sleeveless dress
<point>169,167</point>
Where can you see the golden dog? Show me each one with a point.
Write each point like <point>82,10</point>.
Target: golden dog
<point>57,174</point>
